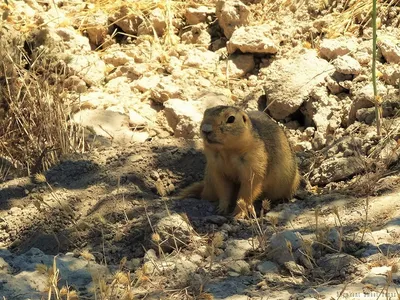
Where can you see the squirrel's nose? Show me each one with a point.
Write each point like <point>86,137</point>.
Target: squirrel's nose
<point>206,129</point>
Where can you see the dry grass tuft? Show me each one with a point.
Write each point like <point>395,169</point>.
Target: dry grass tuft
<point>356,15</point>
<point>34,127</point>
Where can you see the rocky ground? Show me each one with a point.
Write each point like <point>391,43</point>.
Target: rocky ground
<point>103,223</point>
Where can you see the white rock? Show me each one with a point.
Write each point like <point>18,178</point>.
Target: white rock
<point>231,15</point>
<point>184,117</point>
<point>285,89</point>
<point>126,20</point>
<point>321,108</point>
<point>237,249</point>
<point>155,21</point>
<point>96,26</point>
<point>174,231</point>
<point>26,280</point>
<point>347,65</point>
<point>278,247</point>
<point>201,58</point>
<point>196,15</point>
<point>166,89</point>
<point>337,169</point>
<point>136,120</point>
<point>117,58</point>
<point>390,48</point>
<point>332,48</point>
<point>198,35</point>
<point>145,83</point>
<point>74,83</point>
<point>89,67</point>
<point>391,74</point>
<point>72,40</point>
<point>238,65</point>
<point>252,39</point>
<point>97,100</point>
<point>109,124</point>
<point>118,84</point>
<point>364,98</point>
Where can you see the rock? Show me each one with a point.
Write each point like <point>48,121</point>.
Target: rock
<point>184,117</point>
<point>4,266</point>
<point>216,219</point>
<point>201,58</point>
<point>302,146</point>
<point>118,85</point>
<point>97,100</point>
<point>126,20</point>
<point>88,67</point>
<point>335,82</point>
<point>364,98</point>
<point>239,266</point>
<point>391,74</point>
<point>196,15</point>
<point>390,48</point>
<point>231,288</point>
<point>285,89</point>
<point>238,65</point>
<point>109,124</point>
<point>131,71</point>
<point>155,22</point>
<point>184,268</point>
<point>174,232</point>
<point>231,15</point>
<point>198,35</point>
<point>30,275</point>
<point>136,120</point>
<point>76,84</point>
<point>377,276</point>
<point>166,89</point>
<point>146,83</point>
<point>150,256</point>
<point>321,109</point>
<point>237,249</point>
<point>278,249</point>
<point>96,27</point>
<point>333,86</point>
<point>215,97</point>
<point>336,169</point>
<point>267,267</point>
<point>332,48</point>
<point>338,264</point>
<point>252,39</point>
<point>334,239</point>
<point>295,268</point>
<point>347,65</point>
<point>62,38</point>
<point>117,58</point>
<point>390,153</point>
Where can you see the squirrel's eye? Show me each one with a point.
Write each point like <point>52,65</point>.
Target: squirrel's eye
<point>231,119</point>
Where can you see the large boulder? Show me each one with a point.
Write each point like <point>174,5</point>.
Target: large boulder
<point>289,81</point>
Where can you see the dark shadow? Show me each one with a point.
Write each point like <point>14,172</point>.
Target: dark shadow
<point>115,200</point>
<point>132,176</point>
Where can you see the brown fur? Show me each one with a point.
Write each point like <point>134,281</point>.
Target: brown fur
<point>245,158</point>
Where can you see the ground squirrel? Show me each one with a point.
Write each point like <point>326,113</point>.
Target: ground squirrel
<point>247,155</point>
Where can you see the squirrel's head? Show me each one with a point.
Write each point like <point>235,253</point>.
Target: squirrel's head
<point>224,127</point>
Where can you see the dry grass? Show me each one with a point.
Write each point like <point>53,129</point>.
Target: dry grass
<point>357,14</point>
<point>34,130</point>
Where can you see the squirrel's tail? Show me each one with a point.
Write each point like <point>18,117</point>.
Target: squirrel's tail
<point>192,191</point>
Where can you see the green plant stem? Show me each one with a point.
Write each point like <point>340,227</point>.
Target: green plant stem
<point>376,98</point>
